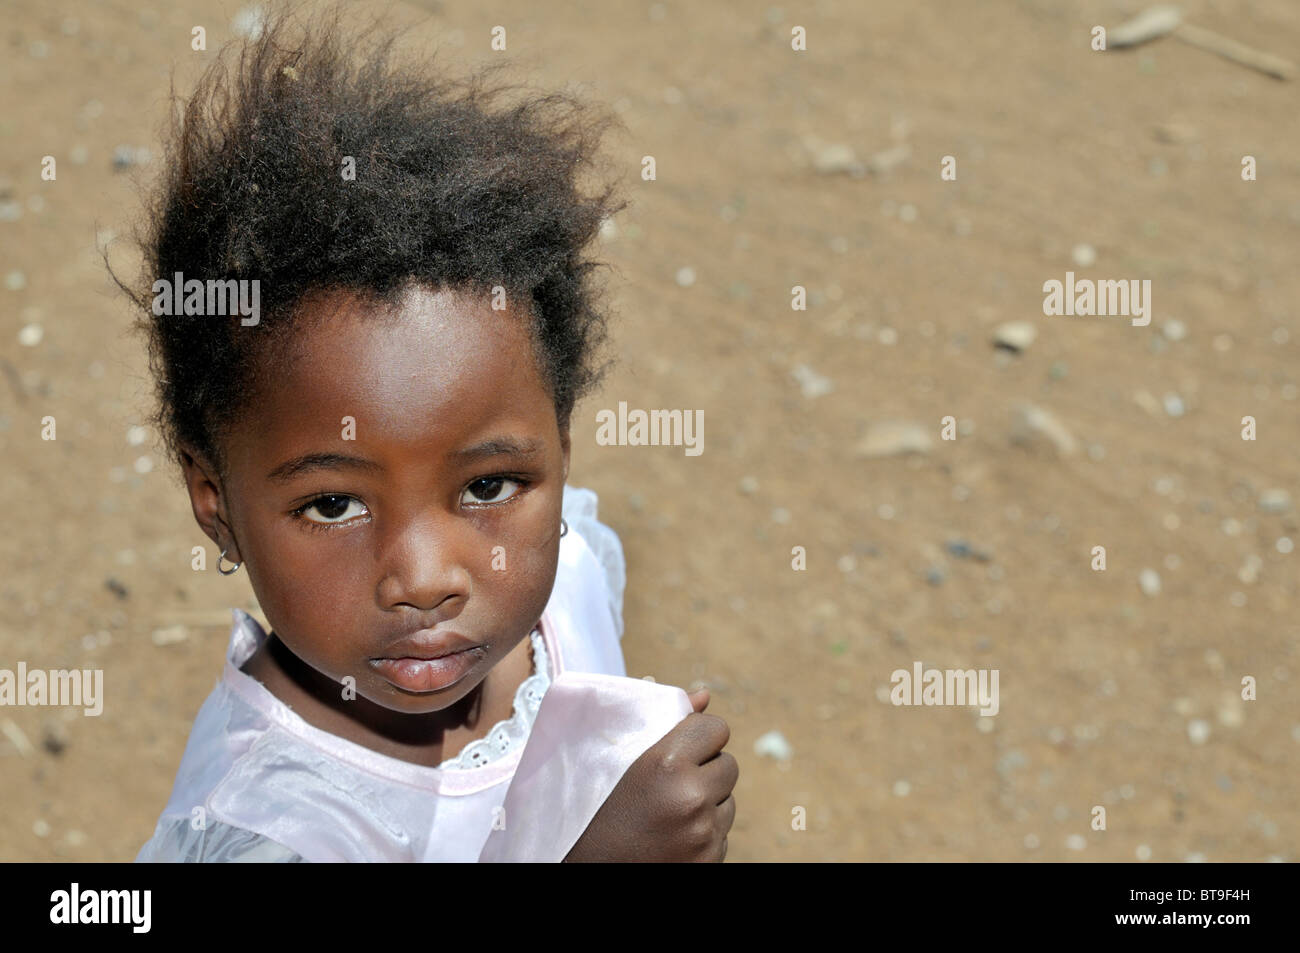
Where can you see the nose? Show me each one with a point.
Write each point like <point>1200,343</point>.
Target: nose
<point>424,564</point>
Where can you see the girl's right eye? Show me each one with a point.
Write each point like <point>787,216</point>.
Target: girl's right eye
<point>334,507</point>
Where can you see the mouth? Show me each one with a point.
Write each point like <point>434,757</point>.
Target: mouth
<point>429,674</point>
<point>428,661</point>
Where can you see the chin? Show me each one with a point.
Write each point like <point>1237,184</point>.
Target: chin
<point>423,703</point>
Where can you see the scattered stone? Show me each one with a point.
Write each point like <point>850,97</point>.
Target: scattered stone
<point>170,635</point>
<point>55,738</point>
<point>1034,425</point>
<point>964,550</point>
<point>16,737</point>
<point>1083,255</point>
<point>885,161</point>
<point>1015,336</point>
<point>1143,852</point>
<point>1198,731</point>
<point>810,382</point>
<point>749,485</point>
<point>1275,500</point>
<point>774,745</point>
<point>1152,23</point>
<point>685,276</point>
<point>1076,842</point>
<point>1147,402</point>
<point>902,788</point>
<point>936,575</point>
<point>31,335</point>
<point>116,588</point>
<point>41,827</point>
<point>1174,330</point>
<point>892,438</point>
<point>1149,582</point>
<point>15,281</point>
<point>1174,405</point>
<point>836,158</point>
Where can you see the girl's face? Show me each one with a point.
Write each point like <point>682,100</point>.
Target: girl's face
<point>394,495</point>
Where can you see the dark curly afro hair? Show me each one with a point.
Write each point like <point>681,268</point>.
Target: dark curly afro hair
<point>449,192</point>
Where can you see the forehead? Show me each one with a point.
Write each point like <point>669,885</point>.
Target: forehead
<point>425,378</point>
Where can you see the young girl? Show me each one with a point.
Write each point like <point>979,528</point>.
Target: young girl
<point>384,323</point>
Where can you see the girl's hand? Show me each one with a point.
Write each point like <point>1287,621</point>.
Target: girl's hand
<point>674,803</point>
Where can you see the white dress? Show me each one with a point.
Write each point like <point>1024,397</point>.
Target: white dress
<point>258,783</point>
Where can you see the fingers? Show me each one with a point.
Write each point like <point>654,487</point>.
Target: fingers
<point>699,699</point>
<point>698,737</point>
<point>719,775</point>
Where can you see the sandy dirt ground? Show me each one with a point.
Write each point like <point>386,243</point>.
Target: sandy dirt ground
<point>778,168</point>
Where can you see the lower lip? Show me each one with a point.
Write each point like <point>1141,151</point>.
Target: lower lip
<point>426,675</point>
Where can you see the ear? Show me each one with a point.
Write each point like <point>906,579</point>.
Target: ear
<point>208,501</point>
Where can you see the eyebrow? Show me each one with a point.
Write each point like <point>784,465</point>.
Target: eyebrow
<point>314,462</point>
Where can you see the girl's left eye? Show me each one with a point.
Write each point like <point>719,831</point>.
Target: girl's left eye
<point>334,507</point>
<point>489,490</point>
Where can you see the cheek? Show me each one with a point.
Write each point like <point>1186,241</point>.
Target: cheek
<point>520,573</point>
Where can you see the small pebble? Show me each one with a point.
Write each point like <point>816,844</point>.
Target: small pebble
<point>686,276</point>
<point>1035,424</point>
<point>749,485</point>
<point>1076,842</point>
<point>1174,330</point>
<point>1084,255</point>
<point>136,436</point>
<point>836,158</point>
<point>1015,336</point>
<point>41,828</point>
<point>902,788</point>
<point>1149,582</point>
<point>1284,545</point>
<point>1031,842</point>
<point>1174,405</point>
<point>892,438</point>
<point>774,745</point>
<point>1275,500</point>
<point>15,281</point>
<point>810,382</point>
<point>1198,731</point>
<point>1143,852</point>
<point>31,335</point>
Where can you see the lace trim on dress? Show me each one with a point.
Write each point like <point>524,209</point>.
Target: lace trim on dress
<point>510,734</point>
